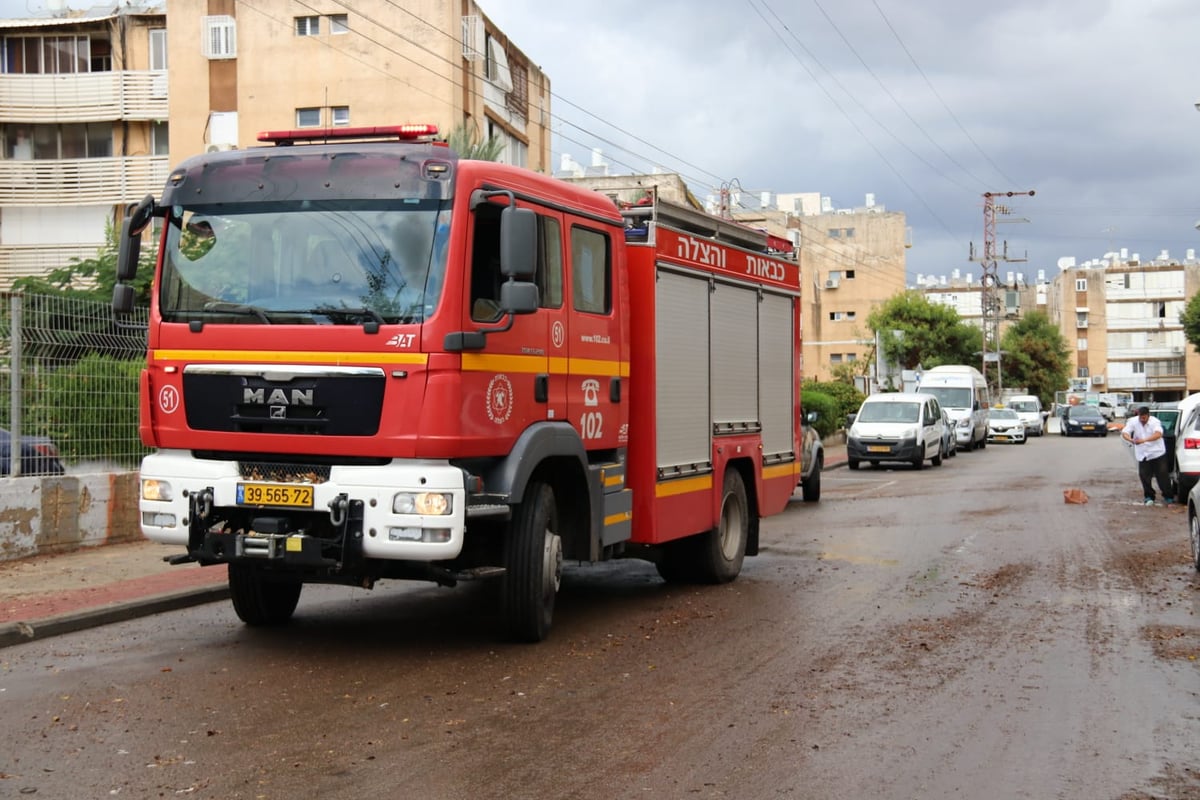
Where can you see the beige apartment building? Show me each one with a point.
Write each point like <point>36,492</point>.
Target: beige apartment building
<point>83,131</point>
<point>1120,319</point>
<point>239,68</point>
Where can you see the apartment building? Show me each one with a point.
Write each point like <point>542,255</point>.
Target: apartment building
<point>1120,318</point>
<point>83,130</point>
<point>241,68</point>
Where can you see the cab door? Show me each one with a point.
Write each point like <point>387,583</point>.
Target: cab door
<point>597,374</point>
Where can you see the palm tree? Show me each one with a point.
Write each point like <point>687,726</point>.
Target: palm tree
<point>465,141</point>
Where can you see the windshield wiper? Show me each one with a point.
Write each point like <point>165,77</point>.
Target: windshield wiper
<point>330,311</point>
<point>218,307</point>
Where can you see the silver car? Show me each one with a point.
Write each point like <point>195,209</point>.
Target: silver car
<point>1005,426</point>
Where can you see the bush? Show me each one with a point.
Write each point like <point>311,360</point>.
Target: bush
<point>829,420</point>
<point>847,398</point>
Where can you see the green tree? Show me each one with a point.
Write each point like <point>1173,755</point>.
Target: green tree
<point>94,278</point>
<point>931,334</point>
<point>846,397</point>
<point>1190,319</point>
<point>1035,355</point>
<point>466,141</point>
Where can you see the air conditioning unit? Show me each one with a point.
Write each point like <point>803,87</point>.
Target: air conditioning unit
<point>1081,323</point>
<point>1097,380</point>
<point>1177,350</point>
<point>832,283</point>
<point>219,147</point>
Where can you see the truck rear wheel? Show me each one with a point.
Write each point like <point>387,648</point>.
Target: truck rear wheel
<point>812,485</point>
<point>716,555</point>
<point>533,565</point>
<point>261,599</point>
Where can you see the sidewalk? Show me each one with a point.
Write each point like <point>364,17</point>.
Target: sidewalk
<point>46,596</point>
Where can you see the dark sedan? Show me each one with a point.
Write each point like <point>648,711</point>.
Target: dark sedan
<point>1084,421</point>
<point>39,455</point>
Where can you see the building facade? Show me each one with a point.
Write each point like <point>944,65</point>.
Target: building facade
<point>83,132</point>
<point>1120,318</point>
<point>240,68</point>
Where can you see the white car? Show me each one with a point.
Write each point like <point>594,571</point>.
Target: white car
<point>1029,408</point>
<point>1005,426</point>
<point>1193,504</point>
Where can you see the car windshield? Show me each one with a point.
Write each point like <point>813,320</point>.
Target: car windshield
<point>306,262</point>
<point>1084,413</point>
<point>889,412</point>
<point>1002,413</point>
<point>1023,406</point>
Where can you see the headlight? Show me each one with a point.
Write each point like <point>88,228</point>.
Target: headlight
<point>910,434</point>
<point>156,490</point>
<point>432,504</point>
<point>965,422</point>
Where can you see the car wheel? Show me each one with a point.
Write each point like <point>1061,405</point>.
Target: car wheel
<point>1194,530</point>
<point>852,464</point>
<point>812,486</point>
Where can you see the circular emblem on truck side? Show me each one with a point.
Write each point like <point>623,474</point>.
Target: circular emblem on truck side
<point>168,399</point>
<point>499,399</point>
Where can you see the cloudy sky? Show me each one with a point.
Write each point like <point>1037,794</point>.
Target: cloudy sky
<point>927,104</point>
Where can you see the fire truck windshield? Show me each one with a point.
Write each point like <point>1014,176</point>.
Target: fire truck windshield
<point>305,262</point>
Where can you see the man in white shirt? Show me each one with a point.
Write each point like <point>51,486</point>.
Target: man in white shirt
<point>1145,433</point>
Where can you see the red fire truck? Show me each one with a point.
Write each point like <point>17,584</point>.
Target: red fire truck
<point>370,359</point>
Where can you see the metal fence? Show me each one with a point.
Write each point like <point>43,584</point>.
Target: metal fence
<point>69,372</point>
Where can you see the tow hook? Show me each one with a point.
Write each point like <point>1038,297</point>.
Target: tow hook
<point>338,508</point>
<point>201,503</point>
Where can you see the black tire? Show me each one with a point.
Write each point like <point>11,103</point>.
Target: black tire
<point>812,486</point>
<point>937,460</point>
<point>716,555</point>
<point>983,441</point>
<point>1194,535</point>
<point>852,463</point>
<point>533,565</point>
<point>918,461</point>
<point>260,598</point>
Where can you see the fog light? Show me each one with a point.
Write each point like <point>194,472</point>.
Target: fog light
<point>404,534</point>
<point>156,490</point>
<point>432,504</point>
<point>157,519</point>
<point>437,535</point>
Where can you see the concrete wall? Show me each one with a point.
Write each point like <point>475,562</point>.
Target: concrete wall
<point>40,516</point>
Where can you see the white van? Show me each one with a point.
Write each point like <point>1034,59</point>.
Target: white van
<point>963,392</point>
<point>897,426</point>
<point>1029,409</point>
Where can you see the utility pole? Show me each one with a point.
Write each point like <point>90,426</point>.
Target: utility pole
<point>990,279</point>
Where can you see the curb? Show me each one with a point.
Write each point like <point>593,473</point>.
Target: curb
<point>14,633</point>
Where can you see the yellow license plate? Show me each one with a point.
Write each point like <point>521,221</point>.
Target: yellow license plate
<point>1089,427</point>
<point>290,495</point>
<point>1001,436</point>
<point>878,448</point>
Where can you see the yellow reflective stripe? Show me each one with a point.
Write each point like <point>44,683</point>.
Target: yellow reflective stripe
<point>702,483</point>
<point>618,518</point>
<point>484,362</point>
<point>289,357</point>
<point>789,470</point>
<point>614,480</point>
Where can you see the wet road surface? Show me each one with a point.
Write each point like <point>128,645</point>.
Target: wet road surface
<point>952,632</point>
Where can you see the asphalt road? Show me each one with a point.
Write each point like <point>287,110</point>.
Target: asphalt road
<point>951,632</point>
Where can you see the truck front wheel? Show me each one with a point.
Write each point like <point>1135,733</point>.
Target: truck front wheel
<point>533,565</point>
<point>261,599</point>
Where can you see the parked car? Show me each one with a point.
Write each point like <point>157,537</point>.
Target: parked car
<point>1183,447</point>
<point>1004,425</point>
<point>949,439</point>
<point>812,459</point>
<point>1084,420</point>
<point>39,455</point>
<point>1168,414</point>
<point>896,426</point>
<point>1029,409</point>
<point>1193,504</point>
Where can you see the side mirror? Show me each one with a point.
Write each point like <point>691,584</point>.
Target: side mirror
<point>850,419</point>
<point>811,416</point>
<point>518,297</point>
<point>141,215</point>
<point>518,237</point>
<point>122,299</point>
<point>129,249</point>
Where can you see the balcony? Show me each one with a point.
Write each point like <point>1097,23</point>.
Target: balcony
<point>84,97</point>
<point>81,181</point>
<point>19,261</point>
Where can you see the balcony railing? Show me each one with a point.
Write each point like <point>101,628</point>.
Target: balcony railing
<point>84,97</point>
<point>22,260</point>
<point>81,181</point>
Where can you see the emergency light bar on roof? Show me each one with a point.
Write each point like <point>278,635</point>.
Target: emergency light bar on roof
<point>404,133</point>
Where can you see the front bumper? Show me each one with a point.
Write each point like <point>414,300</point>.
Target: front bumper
<point>881,449</point>
<point>385,534</point>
